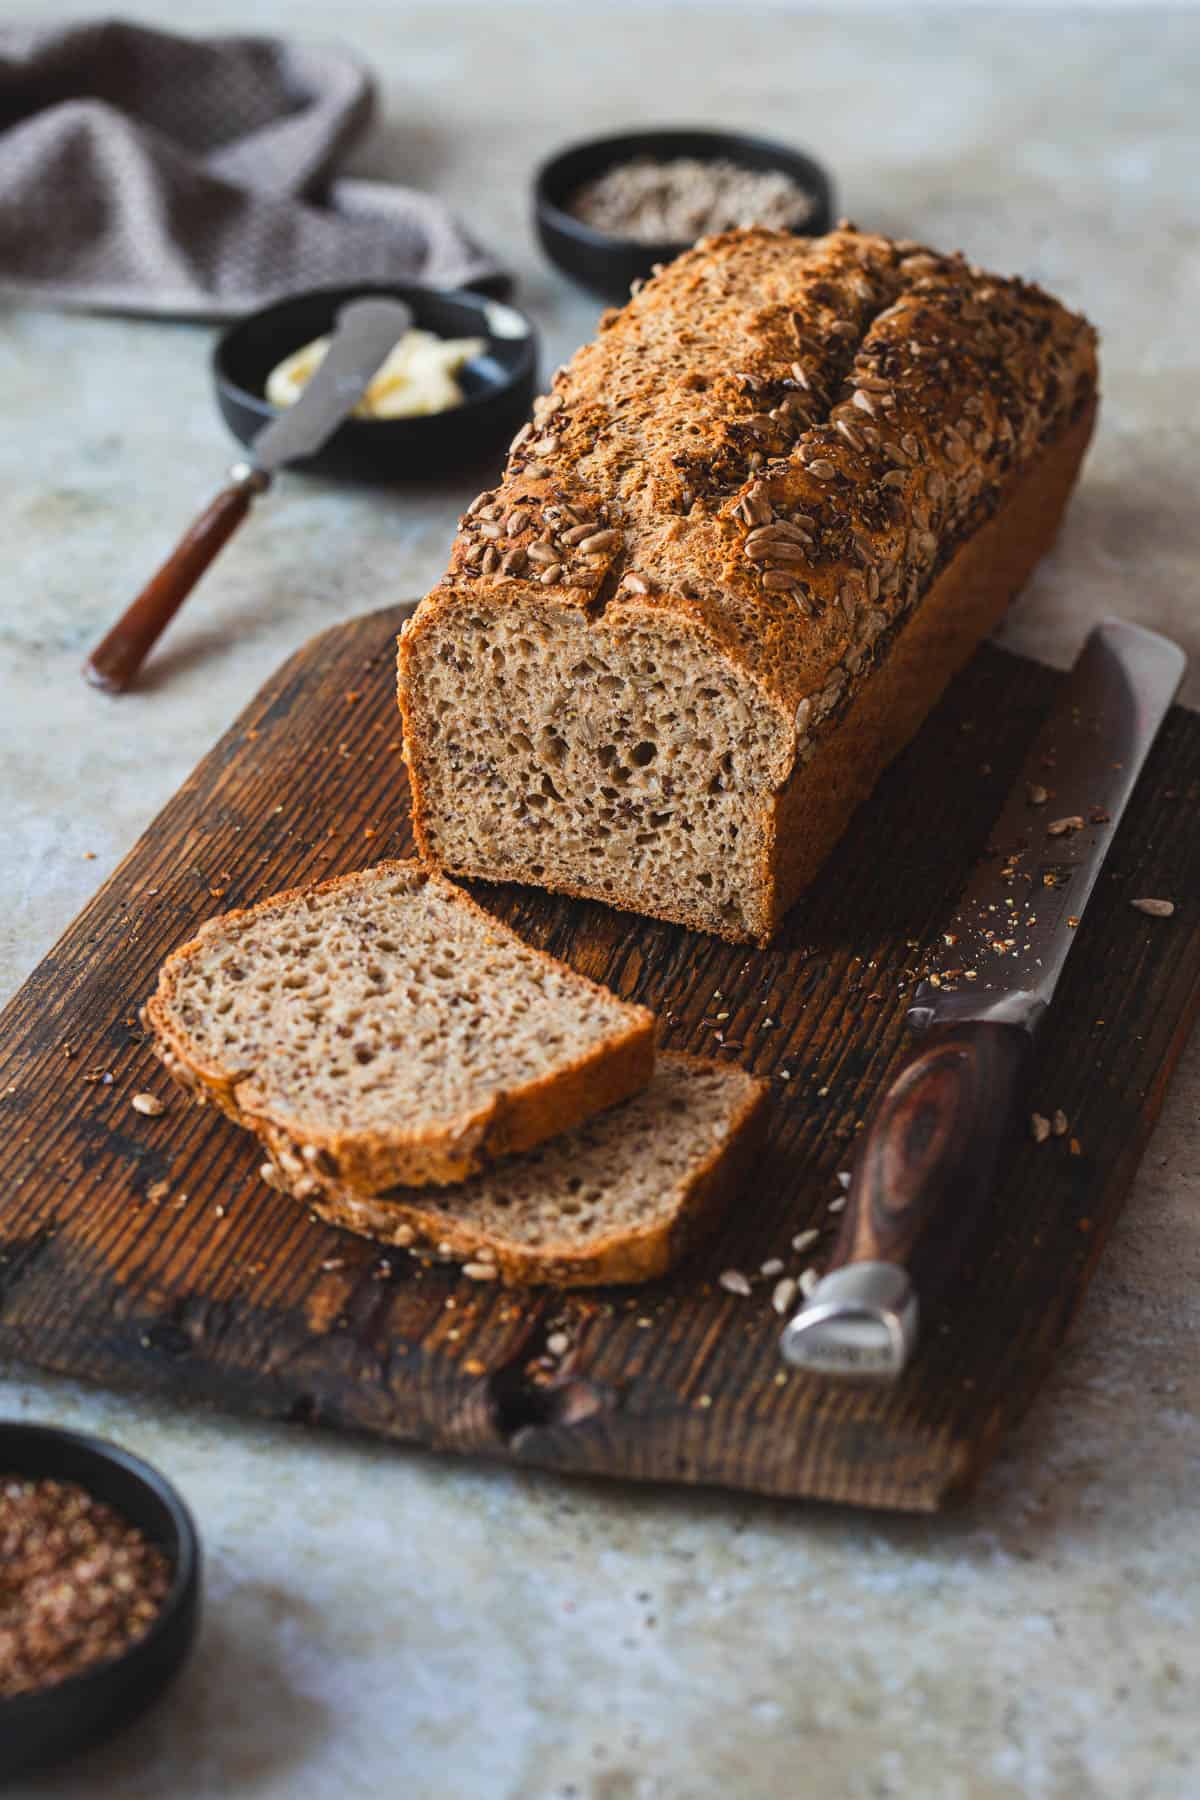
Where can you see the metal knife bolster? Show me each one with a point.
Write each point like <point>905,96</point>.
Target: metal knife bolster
<point>988,985</point>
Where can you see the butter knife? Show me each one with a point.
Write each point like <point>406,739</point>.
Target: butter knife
<point>933,1145</point>
<point>365,334</point>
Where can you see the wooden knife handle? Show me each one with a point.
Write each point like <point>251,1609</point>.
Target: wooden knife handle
<point>118,657</point>
<point>928,1162</point>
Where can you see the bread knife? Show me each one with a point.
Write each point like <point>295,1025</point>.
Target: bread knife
<point>933,1145</point>
<point>364,336</point>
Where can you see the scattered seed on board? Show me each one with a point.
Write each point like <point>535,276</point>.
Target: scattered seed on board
<point>1156,909</point>
<point>808,1281</point>
<point>734,1282</point>
<point>772,1266</point>
<point>150,1104</point>
<point>803,1239</point>
<point>844,1178</point>
<point>1037,794</point>
<point>1059,827</point>
<point>1039,1127</point>
<point>1060,1123</point>
<point>784,1294</point>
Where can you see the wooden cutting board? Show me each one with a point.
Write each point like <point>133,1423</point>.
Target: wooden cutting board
<point>145,1251</point>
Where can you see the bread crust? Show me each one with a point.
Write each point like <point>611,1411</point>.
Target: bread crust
<point>414,1221</point>
<point>373,1159</point>
<point>874,402</point>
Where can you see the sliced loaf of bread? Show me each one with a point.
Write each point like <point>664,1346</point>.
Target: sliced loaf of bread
<point>386,1030</point>
<point>618,1199</point>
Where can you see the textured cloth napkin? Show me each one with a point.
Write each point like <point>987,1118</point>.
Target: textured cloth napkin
<point>145,172</point>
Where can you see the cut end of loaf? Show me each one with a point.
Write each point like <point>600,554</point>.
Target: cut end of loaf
<point>391,1030</point>
<point>619,760</point>
<point>619,1199</point>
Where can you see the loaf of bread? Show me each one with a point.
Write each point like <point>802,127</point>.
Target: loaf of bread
<point>618,1199</point>
<point>755,528</point>
<point>383,1028</point>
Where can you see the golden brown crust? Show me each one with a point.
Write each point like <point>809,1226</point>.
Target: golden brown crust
<point>413,1221</point>
<point>371,1159</point>
<point>929,383</point>
<point>967,601</point>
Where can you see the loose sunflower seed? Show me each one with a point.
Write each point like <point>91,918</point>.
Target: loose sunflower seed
<point>1155,909</point>
<point>822,469</point>
<point>803,1239</point>
<point>734,1282</point>
<point>637,584</point>
<point>1060,827</point>
<point>808,1281</point>
<point>480,1271</point>
<point>784,1294</point>
<point>1039,1127</point>
<point>150,1104</point>
<point>1060,1124</point>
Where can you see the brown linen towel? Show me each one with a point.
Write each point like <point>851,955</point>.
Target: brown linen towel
<point>144,172</point>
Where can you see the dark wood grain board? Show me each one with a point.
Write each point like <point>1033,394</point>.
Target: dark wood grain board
<point>219,1289</point>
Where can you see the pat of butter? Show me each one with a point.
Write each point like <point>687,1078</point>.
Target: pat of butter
<point>418,376</point>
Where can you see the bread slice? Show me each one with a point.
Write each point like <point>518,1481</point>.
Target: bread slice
<point>618,1199</point>
<point>388,1030</point>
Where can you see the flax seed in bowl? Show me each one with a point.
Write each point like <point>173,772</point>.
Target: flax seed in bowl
<point>99,1591</point>
<point>609,209</point>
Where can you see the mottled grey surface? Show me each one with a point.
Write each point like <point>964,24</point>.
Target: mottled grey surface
<point>382,1622</point>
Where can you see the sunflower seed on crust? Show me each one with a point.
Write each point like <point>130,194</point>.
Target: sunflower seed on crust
<point>601,540</point>
<point>549,576</point>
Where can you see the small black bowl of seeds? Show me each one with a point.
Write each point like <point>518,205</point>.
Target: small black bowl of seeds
<point>99,1592</point>
<point>609,209</point>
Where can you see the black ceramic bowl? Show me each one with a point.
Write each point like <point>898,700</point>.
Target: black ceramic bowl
<point>44,1727</point>
<point>606,265</point>
<point>498,385</point>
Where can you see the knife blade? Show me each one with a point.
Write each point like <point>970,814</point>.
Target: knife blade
<point>365,333</point>
<point>933,1144</point>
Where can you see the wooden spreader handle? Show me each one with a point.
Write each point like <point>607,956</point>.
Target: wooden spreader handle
<point>928,1164</point>
<point>116,660</point>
